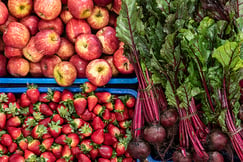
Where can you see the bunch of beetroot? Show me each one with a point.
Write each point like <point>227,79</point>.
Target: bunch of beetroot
<point>63,126</point>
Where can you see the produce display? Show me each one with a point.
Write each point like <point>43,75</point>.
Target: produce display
<point>188,58</point>
<point>62,126</point>
<point>61,39</point>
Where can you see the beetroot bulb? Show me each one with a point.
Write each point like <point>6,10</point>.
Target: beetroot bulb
<point>154,134</point>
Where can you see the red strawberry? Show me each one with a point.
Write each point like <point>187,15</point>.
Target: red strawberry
<point>98,136</point>
<point>109,139</point>
<point>103,160</point>
<point>24,100</point>
<point>15,133</point>
<point>57,150</point>
<point>34,146</point>
<point>16,158</point>
<point>120,148</point>
<point>106,115</point>
<point>87,115</point>
<point>38,131</point>
<point>4,158</point>
<point>122,116</point>
<point>88,87</point>
<point>6,139</point>
<point>56,118</point>
<point>83,158</point>
<point>130,113</point>
<point>113,130</point>
<point>26,132</point>
<point>66,152</point>
<point>29,156</point>
<point>97,123</point>
<point>45,121</point>
<point>12,148</point>
<point>47,135</point>
<point>79,104</point>
<point>53,106</point>
<point>130,101</point>
<point>92,101</point>
<point>109,106</point>
<point>29,122</point>
<point>12,109</point>
<point>54,96</point>
<point>113,118</point>
<point>75,151</point>
<point>44,98</point>
<point>11,97</point>
<point>61,139</point>
<point>33,93</point>
<point>94,154</point>
<point>38,116</point>
<point>105,151</point>
<point>31,109</point>
<point>98,110</point>
<point>86,146</point>
<point>45,110</point>
<point>13,122</point>
<point>67,128</point>
<point>104,97</point>
<point>3,118</point>
<point>25,111</point>
<point>128,159</point>
<point>23,144</point>
<point>66,95</point>
<point>86,130</point>
<point>48,156</point>
<point>77,123</point>
<point>63,111</point>
<point>3,149</point>
<point>46,144</point>
<point>3,97</point>
<point>125,124</point>
<point>54,129</point>
<point>119,106</point>
<point>61,160</point>
<point>72,140</point>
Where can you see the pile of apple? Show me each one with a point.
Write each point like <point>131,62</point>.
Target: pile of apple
<point>64,39</point>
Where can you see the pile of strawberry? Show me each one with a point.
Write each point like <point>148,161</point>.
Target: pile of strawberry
<point>63,126</point>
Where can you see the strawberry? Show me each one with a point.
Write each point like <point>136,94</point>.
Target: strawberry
<point>77,123</point>
<point>94,153</point>
<point>12,109</point>
<point>67,128</point>
<point>54,129</point>
<point>86,146</point>
<point>128,159</point>
<point>45,121</point>
<point>109,139</point>
<point>61,139</point>
<point>29,122</point>
<point>98,136</point>
<point>120,148</point>
<point>92,101</point>
<point>33,93</point>
<point>63,111</point>
<point>48,156</point>
<point>46,136</point>
<point>130,101</point>
<point>57,150</point>
<point>15,133</point>
<point>54,96</point>
<point>113,118</point>
<point>125,124</point>
<point>38,131</point>
<point>109,106</point>
<point>29,156</point>
<point>3,97</point>
<point>3,118</point>
<point>38,116</point>
<point>103,160</point>
<point>34,146</point>
<point>98,110</point>
<point>88,87</point>
<point>66,95</point>
<point>31,109</point>
<point>24,100</point>
<point>61,160</point>
<point>53,106</point>
<point>44,98</point>
<point>25,111</point>
<point>16,158</point>
<point>87,115</point>
<point>104,97</point>
<point>46,144</point>
<point>11,97</point>
<point>56,118</point>
<point>66,152</point>
<point>23,144</point>
<point>13,122</point>
<point>86,130</point>
<point>106,115</point>
<point>75,151</point>
<point>45,109</point>
<point>130,113</point>
<point>79,104</point>
<point>83,158</point>
<point>119,106</point>
<point>26,132</point>
<point>72,140</point>
<point>97,123</point>
<point>12,148</point>
<point>113,130</point>
<point>5,139</point>
<point>122,116</point>
<point>4,158</point>
<point>3,149</point>
<point>105,151</point>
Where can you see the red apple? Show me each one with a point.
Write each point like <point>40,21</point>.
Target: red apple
<point>4,26</point>
<point>20,8</point>
<point>18,67</point>
<point>55,24</point>
<point>80,65</point>
<point>3,13</point>
<point>80,9</point>
<point>116,6</point>
<point>88,47</point>
<point>47,42</point>
<point>31,53</point>
<point>65,73</point>
<point>99,18</point>
<point>47,9</point>
<point>64,2</point>
<point>1,44</point>
<point>102,3</point>
<point>31,22</point>
<point>76,27</point>
<point>66,15</point>
<point>17,35</point>
<point>12,52</point>
<point>35,69</point>
<point>98,72</point>
<point>108,39</point>
<point>3,65</point>
<point>48,63</point>
<point>110,59</point>
<point>122,63</point>
<point>66,49</point>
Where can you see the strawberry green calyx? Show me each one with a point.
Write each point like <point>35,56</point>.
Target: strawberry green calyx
<point>32,158</point>
<point>3,97</point>
<point>85,149</point>
<point>68,141</point>
<point>32,86</point>
<point>30,123</point>
<point>12,109</point>
<point>85,129</point>
<point>55,126</point>
<point>63,112</point>
<point>78,95</point>
<point>37,106</point>
<point>38,116</point>
<point>41,130</point>
<point>50,94</point>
